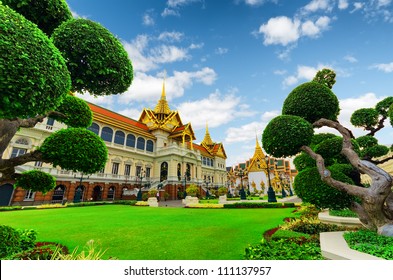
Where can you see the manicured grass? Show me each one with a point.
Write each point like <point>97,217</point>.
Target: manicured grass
<point>144,233</point>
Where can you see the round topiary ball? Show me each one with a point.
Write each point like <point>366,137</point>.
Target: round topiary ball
<point>96,59</point>
<point>312,101</point>
<point>285,135</point>
<point>33,74</point>
<point>310,188</point>
<point>365,117</point>
<point>76,149</point>
<point>47,14</point>
<point>36,181</point>
<point>77,112</point>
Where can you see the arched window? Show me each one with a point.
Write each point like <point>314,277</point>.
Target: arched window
<point>22,141</point>
<point>149,146</point>
<point>58,194</point>
<point>119,137</point>
<point>107,134</point>
<point>95,128</point>
<point>140,144</point>
<point>164,171</point>
<point>179,171</point>
<point>111,193</point>
<point>130,141</point>
<point>188,172</point>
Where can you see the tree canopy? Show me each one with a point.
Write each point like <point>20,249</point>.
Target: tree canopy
<point>330,165</point>
<point>44,55</point>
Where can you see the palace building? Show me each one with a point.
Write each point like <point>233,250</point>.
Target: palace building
<point>262,171</point>
<point>156,151</point>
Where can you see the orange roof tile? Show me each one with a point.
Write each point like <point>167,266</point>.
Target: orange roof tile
<point>116,116</point>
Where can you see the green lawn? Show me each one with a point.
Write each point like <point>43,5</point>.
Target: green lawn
<point>144,233</point>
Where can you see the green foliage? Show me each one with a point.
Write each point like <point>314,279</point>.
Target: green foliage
<point>96,59</point>
<point>91,252</point>
<point>288,234</point>
<point>303,161</point>
<point>365,117</point>
<point>41,251</point>
<point>282,249</point>
<point>325,77</point>
<point>75,149</point>
<point>47,14</point>
<point>366,141</point>
<point>192,190</point>
<point>10,208</point>
<point>329,148</point>
<point>320,137</point>
<point>77,112</point>
<point>27,238</point>
<point>375,151</point>
<point>9,241</point>
<point>259,205</point>
<point>36,181</point>
<point>312,101</point>
<point>383,107</point>
<point>370,242</point>
<point>222,190</point>
<point>285,135</point>
<point>343,213</point>
<point>33,74</point>
<point>310,188</point>
<point>311,226</point>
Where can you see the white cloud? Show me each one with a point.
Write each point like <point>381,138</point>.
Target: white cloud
<point>349,105</point>
<point>221,51</point>
<point>169,12</point>
<point>303,73</point>
<point>179,3</point>
<point>385,67</point>
<point>174,85</point>
<point>350,59</point>
<point>248,131</point>
<point>173,7</point>
<point>106,101</point>
<point>315,5</point>
<point>357,6</point>
<point>147,20</point>
<point>132,113</point>
<point>167,54</point>
<point>343,4</point>
<point>280,30</point>
<point>146,59</point>
<point>258,2</point>
<point>283,30</point>
<point>383,3</point>
<point>196,46</point>
<point>216,109</point>
<point>171,36</point>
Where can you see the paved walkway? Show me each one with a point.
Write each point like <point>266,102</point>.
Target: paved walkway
<point>177,203</point>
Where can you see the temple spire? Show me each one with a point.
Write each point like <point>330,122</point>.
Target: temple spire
<point>162,107</point>
<point>207,140</point>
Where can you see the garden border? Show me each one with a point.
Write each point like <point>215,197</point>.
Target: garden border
<point>334,247</point>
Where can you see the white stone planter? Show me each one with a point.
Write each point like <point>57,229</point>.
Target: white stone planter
<point>190,200</point>
<point>222,199</point>
<point>152,201</point>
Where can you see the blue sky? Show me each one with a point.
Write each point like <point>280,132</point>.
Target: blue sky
<point>231,63</point>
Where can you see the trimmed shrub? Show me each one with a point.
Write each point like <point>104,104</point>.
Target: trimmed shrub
<point>312,101</point>
<point>285,135</point>
<point>10,241</point>
<point>259,205</point>
<point>283,250</point>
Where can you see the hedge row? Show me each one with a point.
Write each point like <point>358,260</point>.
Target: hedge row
<point>260,205</point>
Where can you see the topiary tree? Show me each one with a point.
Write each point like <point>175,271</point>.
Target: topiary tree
<point>45,54</point>
<point>374,205</point>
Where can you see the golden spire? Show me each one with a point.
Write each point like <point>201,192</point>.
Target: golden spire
<point>207,140</point>
<point>162,105</point>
